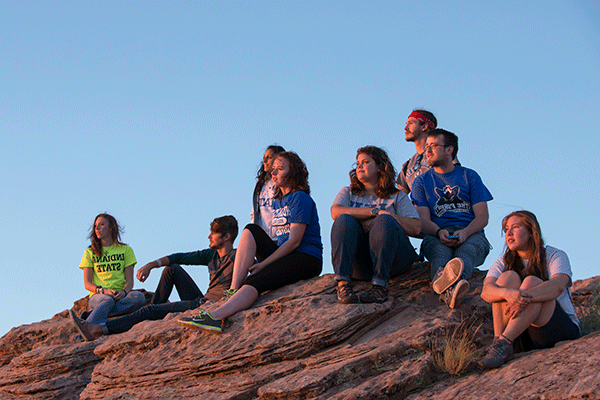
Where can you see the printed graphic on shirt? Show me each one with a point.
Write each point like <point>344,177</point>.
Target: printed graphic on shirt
<point>449,200</point>
<point>280,224</point>
<point>104,264</point>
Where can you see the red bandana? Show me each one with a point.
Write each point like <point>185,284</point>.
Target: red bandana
<point>423,119</point>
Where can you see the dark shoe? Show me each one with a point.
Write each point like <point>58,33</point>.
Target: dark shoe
<point>203,321</point>
<point>446,277</point>
<point>498,353</point>
<point>377,294</point>
<point>228,293</point>
<point>453,296</point>
<point>345,294</point>
<point>85,314</point>
<point>82,326</point>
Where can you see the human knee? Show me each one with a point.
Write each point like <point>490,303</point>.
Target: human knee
<point>171,270</point>
<point>137,296</point>
<point>383,228</point>
<point>509,279</point>
<point>530,281</point>
<point>345,221</point>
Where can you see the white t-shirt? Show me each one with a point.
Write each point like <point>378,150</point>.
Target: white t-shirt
<point>558,263</point>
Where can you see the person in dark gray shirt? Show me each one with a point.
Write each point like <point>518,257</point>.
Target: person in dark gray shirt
<point>219,258</point>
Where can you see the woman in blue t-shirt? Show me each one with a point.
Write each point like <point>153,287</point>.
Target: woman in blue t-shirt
<point>297,254</point>
<point>529,291</point>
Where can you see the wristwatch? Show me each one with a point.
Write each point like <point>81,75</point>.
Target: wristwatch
<point>374,211</point>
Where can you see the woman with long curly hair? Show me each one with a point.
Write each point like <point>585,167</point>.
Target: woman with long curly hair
<point>372,221</point>
<point>107,266</point>
<point>297,254</point>
<point>262,198</point>
<point>529,288</point>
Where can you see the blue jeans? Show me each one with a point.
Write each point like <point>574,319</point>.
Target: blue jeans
<point>377,255</point>
<point>472,252</point>
<point>104,306</point>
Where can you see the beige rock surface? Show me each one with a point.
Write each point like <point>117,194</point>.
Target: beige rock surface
<point>296,342</point>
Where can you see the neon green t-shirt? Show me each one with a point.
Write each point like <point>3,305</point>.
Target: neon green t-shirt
<point>109,270</point>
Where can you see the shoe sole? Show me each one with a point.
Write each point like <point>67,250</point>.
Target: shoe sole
<point>460,291</point>
<point>452,271</point>
<point>208,328</point>
<point>78,324</point>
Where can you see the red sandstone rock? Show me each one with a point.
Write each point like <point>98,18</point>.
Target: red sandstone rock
<point>296,342</point>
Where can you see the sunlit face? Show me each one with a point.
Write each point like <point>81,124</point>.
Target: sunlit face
<point>102,228</point>
<point>436,151</point>
<point>366,168</point>
<point>215,240</point>
<point>268,160</point>
<point>281,168</point>
<point>517,235</point>
<point>413,129</point>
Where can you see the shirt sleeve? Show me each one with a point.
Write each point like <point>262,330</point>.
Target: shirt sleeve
<point>418,192</point>
<point>129,257</point>
<point>497,268</point>
<point>343,197</point>
<point>86,259</point>
<point>300,208</point>
<point>200,257</point>
<point>404,207</point>
<point>558,263</point>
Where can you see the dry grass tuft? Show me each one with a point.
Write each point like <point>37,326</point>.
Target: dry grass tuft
<point>455,352</point>
<point>590,313</point>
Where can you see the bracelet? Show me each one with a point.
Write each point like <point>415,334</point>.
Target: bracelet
<point>437,233</point>
<point>158,262</point>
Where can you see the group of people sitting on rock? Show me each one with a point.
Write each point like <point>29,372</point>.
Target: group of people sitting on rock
<point>529,286</point>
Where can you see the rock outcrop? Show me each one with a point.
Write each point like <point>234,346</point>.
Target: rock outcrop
<point>296,342</point>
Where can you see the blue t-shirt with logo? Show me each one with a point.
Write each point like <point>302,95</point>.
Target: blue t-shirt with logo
<point>298,207</point>
<point>450,196</point>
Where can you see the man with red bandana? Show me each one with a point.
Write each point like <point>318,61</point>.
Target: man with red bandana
<point>418,124</point>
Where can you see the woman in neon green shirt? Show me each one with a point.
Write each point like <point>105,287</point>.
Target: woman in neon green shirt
<point>108,272</point>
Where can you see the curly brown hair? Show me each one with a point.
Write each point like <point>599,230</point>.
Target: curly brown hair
<point>385,186</point>
<point>297,177</point>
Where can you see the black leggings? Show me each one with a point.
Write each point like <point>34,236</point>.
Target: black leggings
<point>288,269</point>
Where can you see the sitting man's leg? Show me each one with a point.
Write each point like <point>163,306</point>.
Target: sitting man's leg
<point>151,312</point>
<point>175,275</point>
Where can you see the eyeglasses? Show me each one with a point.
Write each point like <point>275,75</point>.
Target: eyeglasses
<point>434,145</point>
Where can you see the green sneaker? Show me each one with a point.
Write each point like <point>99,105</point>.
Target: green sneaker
<point>228,293</point>
<point>203,321</point>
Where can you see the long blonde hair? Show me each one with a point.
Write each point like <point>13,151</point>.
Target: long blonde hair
<point>536,264</point>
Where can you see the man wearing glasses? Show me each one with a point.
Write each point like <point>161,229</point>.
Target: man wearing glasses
<point>452,203</point>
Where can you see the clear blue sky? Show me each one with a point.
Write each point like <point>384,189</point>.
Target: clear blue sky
<point>159,113</point>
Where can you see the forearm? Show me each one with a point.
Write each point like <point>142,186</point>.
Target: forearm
<point>493,293</point>
<point>545,291</point>
<point>410,226</point>
<point>281,251</point>
<point>477,225</point>
<point>360,213</point>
